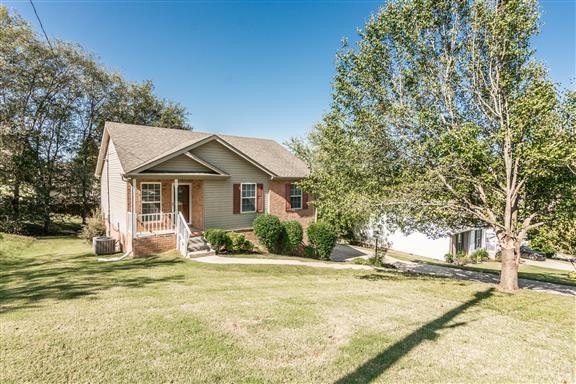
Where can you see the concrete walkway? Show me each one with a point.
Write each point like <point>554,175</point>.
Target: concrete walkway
<point>401,265</point>
<point>249,261</point>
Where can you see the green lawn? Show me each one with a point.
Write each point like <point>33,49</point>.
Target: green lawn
<point>525,271</point>
<point>66,317</point>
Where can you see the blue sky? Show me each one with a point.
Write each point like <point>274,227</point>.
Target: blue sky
<point>253,68</point>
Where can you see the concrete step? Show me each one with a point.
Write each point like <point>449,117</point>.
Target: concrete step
<point>200,253</point>
<point>198,248</point>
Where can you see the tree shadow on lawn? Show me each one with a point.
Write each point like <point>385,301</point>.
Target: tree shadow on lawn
<point>26,282</point>
<point>374,367</point>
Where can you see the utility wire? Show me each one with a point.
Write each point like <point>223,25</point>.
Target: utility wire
<point>42,27</point>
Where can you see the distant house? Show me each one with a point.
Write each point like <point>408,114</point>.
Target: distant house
<point>161,188</point>
<point>416,243</point>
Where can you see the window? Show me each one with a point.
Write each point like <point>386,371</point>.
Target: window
<point>248,198</point>
<point>295,197</point>
<point>477,239</point>
<point>460,242</point>
<point>151,201</point>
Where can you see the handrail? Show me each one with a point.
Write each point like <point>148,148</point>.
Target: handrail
<point>183,234</point>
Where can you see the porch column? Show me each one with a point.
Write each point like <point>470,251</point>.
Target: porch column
<point>175,200</point>
<point>133,203</point>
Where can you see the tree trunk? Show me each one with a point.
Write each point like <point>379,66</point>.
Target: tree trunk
<point>509,271</point>
<point>16,201</point>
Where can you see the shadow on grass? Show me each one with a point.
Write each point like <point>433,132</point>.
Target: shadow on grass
<point>374,367</point>
<point>27,282</point>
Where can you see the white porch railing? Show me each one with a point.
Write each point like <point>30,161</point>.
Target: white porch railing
<point>183,234</point>
<point>155,223</point>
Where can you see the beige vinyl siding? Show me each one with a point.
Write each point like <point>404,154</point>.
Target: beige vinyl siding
<point>112,175</point>
<point>218,193</point>
<point>181,163</point>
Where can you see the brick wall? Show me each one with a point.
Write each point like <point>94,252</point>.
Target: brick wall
<point>278,206</point>
<point>197,204</point>
<point>154,244</point>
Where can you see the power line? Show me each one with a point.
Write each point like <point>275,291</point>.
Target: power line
<point>42,27</point>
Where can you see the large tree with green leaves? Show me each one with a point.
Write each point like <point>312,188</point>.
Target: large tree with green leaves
<point>54,100</point>
<point>441,120</point>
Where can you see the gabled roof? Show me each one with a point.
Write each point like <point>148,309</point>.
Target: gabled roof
<point>140,146</point>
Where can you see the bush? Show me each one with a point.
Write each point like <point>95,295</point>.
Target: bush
<point>498,256</point>
<point>479,255</point>
<point>239,243</point>
<point>309,252</point>
<point>323,238</point>
<point>572,275</point>
<point>461,258</point>
<point>94,226</point>
<point>269,231</point>
<point>218,239</point>
<point>449,258</point>
<point>291,237</point>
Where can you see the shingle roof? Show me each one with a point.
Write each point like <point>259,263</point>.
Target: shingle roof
<point>139,144</point>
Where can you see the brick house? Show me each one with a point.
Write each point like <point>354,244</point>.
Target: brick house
<point>161,188</point>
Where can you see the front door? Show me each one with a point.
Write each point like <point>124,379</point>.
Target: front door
<point>184,201</point>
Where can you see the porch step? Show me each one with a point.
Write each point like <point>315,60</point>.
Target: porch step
<point>198,244</point>
<point>200,253</point>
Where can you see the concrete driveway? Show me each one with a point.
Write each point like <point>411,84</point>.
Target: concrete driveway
<point>552,264</point>
<point>342,252</point>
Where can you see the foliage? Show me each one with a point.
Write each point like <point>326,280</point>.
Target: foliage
<point>239,243</point>
<point>218,239</point>
<point>441,120</point>
<point>480,255</point>
<point>461,258</point>
<point>551,239</point>
<point>572,275</point>
<point>54,101</point>
<point>292,237</point>
<point>269,231</point>
<point>322,237</point>
<point>94,226</point>
<point>309,252</point>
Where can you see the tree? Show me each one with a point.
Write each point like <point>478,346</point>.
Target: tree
<point>441,120</point>
<point>54,100</point>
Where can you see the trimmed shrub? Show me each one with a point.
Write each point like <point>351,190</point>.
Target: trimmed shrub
<point>218,239</point>
<point>239,243</point>
<point>269,230</point>
<point>94,226</point>
<point>479,255</point>
<point>292,236</point>
<point>309,252</point>
<point>449,258</point>
<point>323,238</point>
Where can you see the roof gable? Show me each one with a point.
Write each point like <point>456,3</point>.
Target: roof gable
<point>141,147</point>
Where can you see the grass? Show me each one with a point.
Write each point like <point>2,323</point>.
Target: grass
<point>525,271</point>
<point>67,318</point>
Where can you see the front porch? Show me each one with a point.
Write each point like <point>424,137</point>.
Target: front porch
<point>155,204</point>
<point>170,210</point>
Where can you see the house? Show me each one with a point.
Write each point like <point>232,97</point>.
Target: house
<point>417,243</point>
<point>162,188</point>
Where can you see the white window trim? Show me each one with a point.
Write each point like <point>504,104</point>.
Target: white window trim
<point>142,202</point>
<point>301,196</point>
<point>255,198</point>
